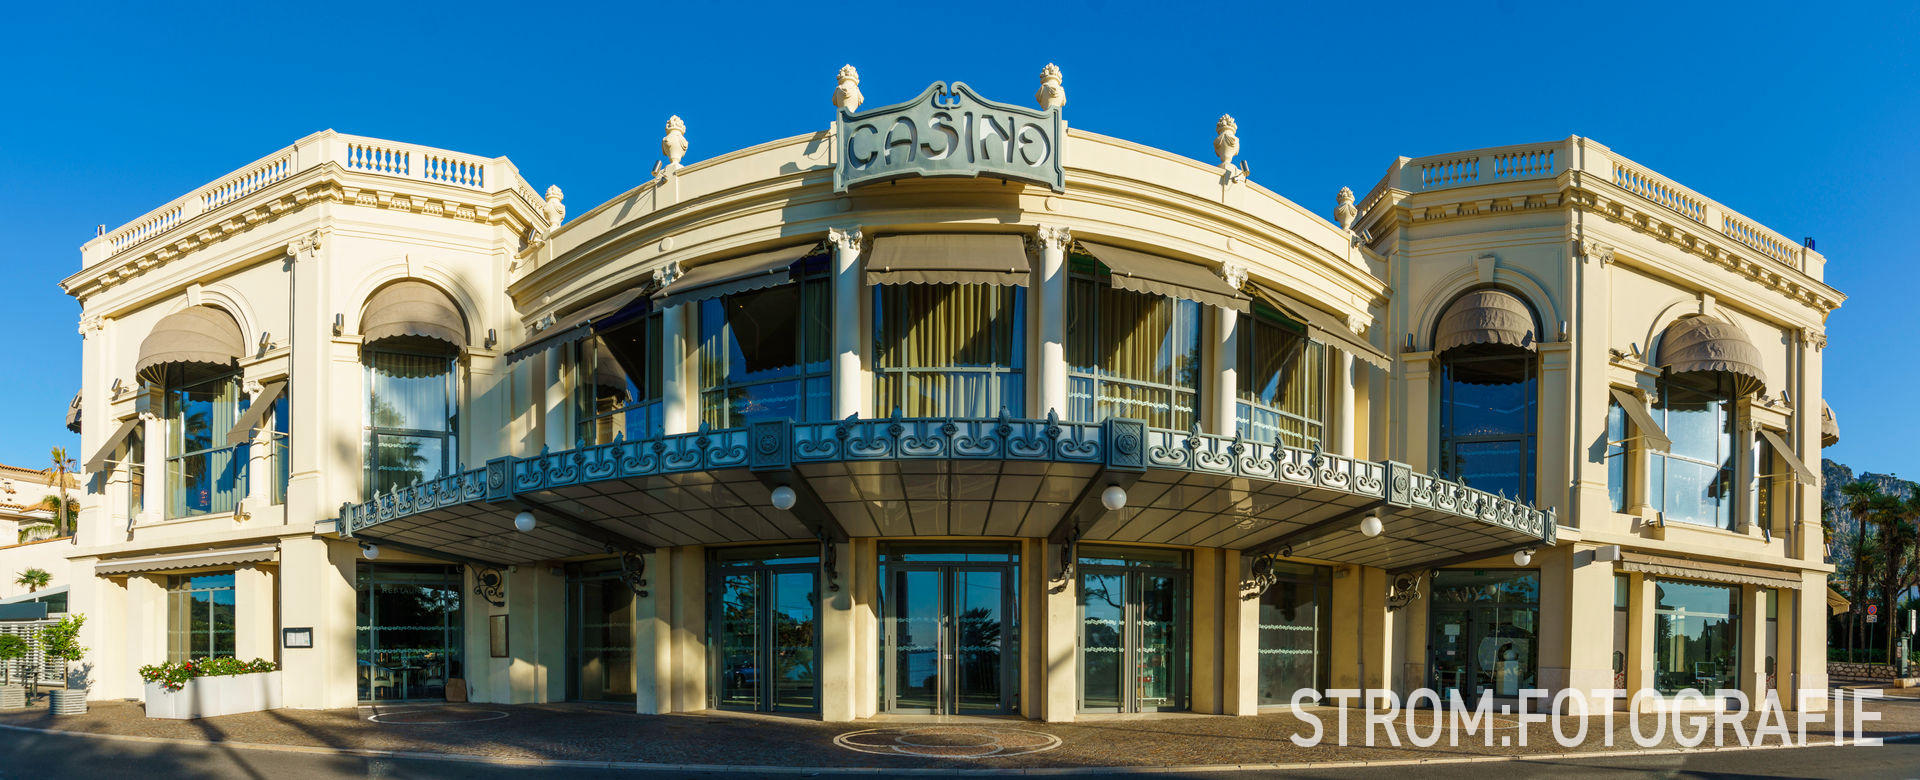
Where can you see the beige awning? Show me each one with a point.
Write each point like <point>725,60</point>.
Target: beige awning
<point>73,413</point>
<point>1643,424</point>
<point>1829,427</point>
<point>1701,344</point>
<point>196,334</point>
<point>189,560</point>
<point>1493,317</point>
<point>725,277</point>
<point>412,308</point>
<point>1838,603</point>
<point>575,326</point>
<point>1682,568</point>
<point>1801,473</point>
<point>242,430</point>
<point>1323,327</point>
<point>1142,272</point>
<point>949,258</point>
<point>99,459</point>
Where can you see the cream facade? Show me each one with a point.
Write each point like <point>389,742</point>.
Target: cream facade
<point>854,422</point>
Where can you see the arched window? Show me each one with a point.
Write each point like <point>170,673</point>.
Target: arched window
<point>412,338</point>
<point>949,350</point>
<point>1282,377</point>
<point>1130,354</point>
<point>1707,365</point>
<point>1489,393</point>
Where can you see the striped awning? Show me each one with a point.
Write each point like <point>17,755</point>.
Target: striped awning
<point>1489,317</point>
<point>949,258</point>
<point>1701,344</point>
<point>1683,568</point>
<point>196,334</point>
<point>1155,275</point>
<point>736,275</point>
<point>203,559</point>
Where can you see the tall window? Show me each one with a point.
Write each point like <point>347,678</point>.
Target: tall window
<point>1696,636</point>
<point>281,436</point>
<point>1616,456</point>
<point>1130,354</point>
<point>412,413</point>
<point>1487,417</point>
<point>617,382</point>
<point>136,472</point>
<point>200,616</point>
<point>1282,378</point>
<point>949,350</point>
<point>767,353</point>
<point>204,474</point>
<point>1692,481</point>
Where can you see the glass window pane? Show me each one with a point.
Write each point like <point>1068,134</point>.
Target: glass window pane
<point>409,391</point>
<point>403,461</point>
<point>1696,636</point>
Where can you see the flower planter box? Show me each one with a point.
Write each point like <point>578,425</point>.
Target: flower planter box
<point>67,701</point>
<point>206,697</point>
<point>13,697</point>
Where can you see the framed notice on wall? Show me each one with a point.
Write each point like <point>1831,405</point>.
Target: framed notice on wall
<point>497,636</point>
<point>296,637</point>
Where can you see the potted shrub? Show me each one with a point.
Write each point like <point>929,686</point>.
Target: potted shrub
<point>205,687</point>
<point>62,640</point>
<point>12,648</point>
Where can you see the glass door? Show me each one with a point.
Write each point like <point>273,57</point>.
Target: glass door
<point>1295,641</point>
<point>1133,630</point>
<point>409,632</point>
<point>765,630</point>
<point>1451,661</point>
<point>600,636</point>
<point>949,645</point>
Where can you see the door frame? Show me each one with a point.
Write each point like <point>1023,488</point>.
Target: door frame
<point>1133,578</point>
<point>764,574</point>
<point>946,693</point>
<point>578,578</point>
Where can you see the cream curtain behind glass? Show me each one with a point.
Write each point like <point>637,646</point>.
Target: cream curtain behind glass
<point>927,328</point>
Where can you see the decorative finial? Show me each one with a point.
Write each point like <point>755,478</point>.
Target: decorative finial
<point>1225,143</point>
<point>847,95</point>
<point>1051,94</point>
<point>556,209</point>
<point>1345,212</point>
<point>674,146</point>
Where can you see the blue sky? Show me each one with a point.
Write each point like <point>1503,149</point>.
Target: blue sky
<point>1800,116</point>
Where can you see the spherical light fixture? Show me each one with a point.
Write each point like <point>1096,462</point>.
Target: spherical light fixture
<point>1522,557</point>
<point>524,521</point>
<point>1371,527</point>
<point>372,551</point>
<point>1114,498</point>
<point>784,498</point>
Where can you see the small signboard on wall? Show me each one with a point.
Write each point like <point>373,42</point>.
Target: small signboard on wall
<point>497,636</point>
<point>296,638</point>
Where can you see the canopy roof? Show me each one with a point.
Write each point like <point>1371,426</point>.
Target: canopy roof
<point>949,258</point>
<point>194,335</point>
<point>1494,317</point>
<point>1156,275</point>
<point>1698,343</point>
<point>740,274</point>
<point>413,308</point>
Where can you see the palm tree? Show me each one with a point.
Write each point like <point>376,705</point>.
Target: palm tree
<point>62,514</point>
<point>33,579</point>
<point>62,466</point>
<point>1859,499</point>
<point>1898,535</point>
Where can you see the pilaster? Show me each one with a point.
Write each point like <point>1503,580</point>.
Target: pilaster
<point>850,378</point>
<point>677,400</point>
<point>1051,360</point>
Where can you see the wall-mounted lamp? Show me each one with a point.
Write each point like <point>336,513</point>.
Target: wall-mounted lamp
<point>1114,498</point>
<point>524,521</point>
<point>339,324</point>
<point>266,340</point>
<point>1372,527</point>
<point>784,498</point>
<point>1522,557</point>
<point>492,339</point>
<point>371,551</point>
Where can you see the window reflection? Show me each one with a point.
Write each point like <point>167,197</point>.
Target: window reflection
<point>1696,630</point>
<point>1487,418</point>
<point>204,475</point>
<point>1129,354</point>
<point>200,616</point>
<point>1282,377</point>
<point>765,353</point>
<point>408,636</point>
<point>411,413</point>
<point>617,382</point>
<point>1692,482</point>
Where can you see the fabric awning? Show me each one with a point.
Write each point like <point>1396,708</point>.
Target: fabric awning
<point>412,308</point>
<point>1493,317</point>
<point>189,560</point>
<point>575,326</point>
<point>242,430</point>
<point>1702,344</point>
<point>196,334</point>
<point>1838,603</point>
<point>1142,272</point>
<point>1829,427</point>
<point>949,258</point>
<point>73,413</point>
<point>1643,423</point>
<point>1323,327</point>
<point>725,277</point>
<point>1801,473</point>
<point>99,459</point>
<point>1682,568</point>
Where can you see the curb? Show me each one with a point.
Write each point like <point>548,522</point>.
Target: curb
<point>801,770</point>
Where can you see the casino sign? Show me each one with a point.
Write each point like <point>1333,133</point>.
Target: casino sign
<point>950,131</point>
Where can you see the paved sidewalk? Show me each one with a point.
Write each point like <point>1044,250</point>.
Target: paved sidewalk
<point>592,733</point>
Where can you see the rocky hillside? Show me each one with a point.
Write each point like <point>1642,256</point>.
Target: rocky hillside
<point>1835,475</point>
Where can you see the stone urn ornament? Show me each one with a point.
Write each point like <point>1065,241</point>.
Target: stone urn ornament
<point>674,145</point>
<point>1226,144</point>
<point>846,95</point>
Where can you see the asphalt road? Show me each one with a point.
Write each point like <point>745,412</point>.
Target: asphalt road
<point>47,756</point>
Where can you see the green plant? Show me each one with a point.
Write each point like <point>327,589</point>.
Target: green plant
<point>173,675</point>
<point>33,579</point>
<point>13,647</point>
<point>62,639</point>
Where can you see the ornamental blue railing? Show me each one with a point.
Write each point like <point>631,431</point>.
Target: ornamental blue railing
<point>1116,444</point>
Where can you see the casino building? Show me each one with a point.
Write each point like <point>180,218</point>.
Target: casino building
<point>950,408</point>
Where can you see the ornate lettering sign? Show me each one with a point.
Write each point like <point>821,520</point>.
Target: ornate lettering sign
<point>949,131</point>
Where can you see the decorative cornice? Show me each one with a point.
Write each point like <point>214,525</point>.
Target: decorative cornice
<point>844,239</point>
<point>1053,237</point>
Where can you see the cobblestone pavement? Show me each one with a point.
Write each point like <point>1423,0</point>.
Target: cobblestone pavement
<point>577,732</point>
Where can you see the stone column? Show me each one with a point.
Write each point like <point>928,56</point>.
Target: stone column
<point>1752,678</point>
<point>653,637</point>
<point>319,477</point>
<point>106,632</point>
<point>1414,435</point>
<point>1585,625</point>
<point>1051,321</point>
<point>865,586</point>
<point>153,432</point>
<point>255,633</point>
<point>850,379</point>
<point>690,629</point>
<point>1060,691</point>
<point>1345,410</point>
<point>677,400</point>
<point>1226,373</point>
<point>259,467</point>
<point>325,675</point>
<point>1555,450</point>
<point>554,410</point>
<point>839,682</point>
<point>147,613</point>
<point>1204,644</point>
<point>1640,650</point>
<point>1809,640</point>
<point>1239,639</point>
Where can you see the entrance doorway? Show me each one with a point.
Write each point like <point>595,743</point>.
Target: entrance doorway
<point>1483,632</point>
<point>409,631</point>
<point>599,633</point>
<point>1133,630</point>
<point>951,640</point>
<point>766,629</point>
<point>1295,640</point>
